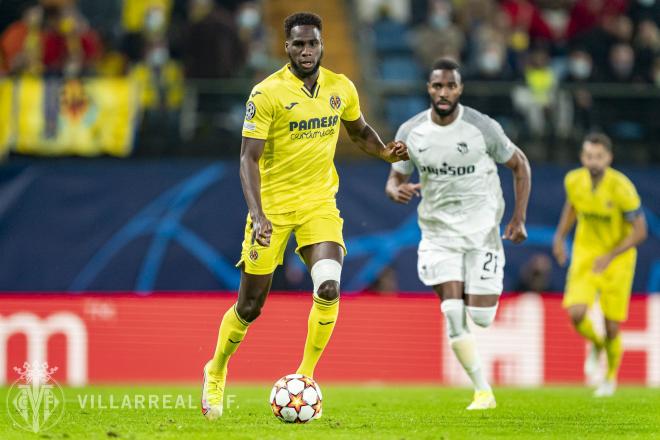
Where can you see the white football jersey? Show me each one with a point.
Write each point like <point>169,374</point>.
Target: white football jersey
<point>461,190</point>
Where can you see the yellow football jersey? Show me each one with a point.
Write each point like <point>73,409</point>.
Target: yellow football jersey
<point>301,129</point>
<point>601,212</point>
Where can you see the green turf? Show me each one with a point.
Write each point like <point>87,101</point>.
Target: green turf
<point>361,413</point>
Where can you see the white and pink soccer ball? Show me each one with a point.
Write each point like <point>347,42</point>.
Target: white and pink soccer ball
<point>296,399</point>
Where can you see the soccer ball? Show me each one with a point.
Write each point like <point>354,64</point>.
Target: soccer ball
<point>296,399</point>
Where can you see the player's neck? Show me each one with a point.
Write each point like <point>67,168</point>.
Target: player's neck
<point>595,180</point>
<point>308,81</point>
<point>444,120</point>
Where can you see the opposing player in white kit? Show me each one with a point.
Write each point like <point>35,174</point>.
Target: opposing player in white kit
<point>455,150</point>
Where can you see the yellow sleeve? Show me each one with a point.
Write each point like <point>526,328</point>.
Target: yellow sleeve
<point>259,114</point>
<point>352,108</point>
<point>626,197</point>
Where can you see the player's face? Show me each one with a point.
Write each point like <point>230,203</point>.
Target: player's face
<point>305,50</point>
<point>595,157</point>
<point>445,88</point>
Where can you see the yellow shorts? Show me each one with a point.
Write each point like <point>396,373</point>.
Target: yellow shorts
<point>310,226</point>
<point>614,285</point>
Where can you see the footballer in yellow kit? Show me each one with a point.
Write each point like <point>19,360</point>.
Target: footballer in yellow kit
<point>290,132</point>
<point>610,223</point>
<point>298,176</point>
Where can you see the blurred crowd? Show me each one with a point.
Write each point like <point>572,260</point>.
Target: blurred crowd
<point>158,43</point>
<point>575,40</point>
<point>544,45</point>
<point>194,38</point>
<point>556,50</point>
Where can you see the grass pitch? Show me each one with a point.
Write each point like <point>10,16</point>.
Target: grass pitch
<point>351,412</point>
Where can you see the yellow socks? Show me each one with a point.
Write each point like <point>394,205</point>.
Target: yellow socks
<point>321,322</point>
<point>232,331</point>
<point>586,329</point>
<point>614,350</point>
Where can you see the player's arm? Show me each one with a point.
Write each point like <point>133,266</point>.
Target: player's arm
<point>399,189</point>
<point>368,140</point>
<point>636,236</point>
<point>251,151</point>
<point>566,222</point>
<point>522,176</point>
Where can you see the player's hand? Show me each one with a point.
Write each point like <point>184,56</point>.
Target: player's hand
<point>395,151</point>
<point>601,263</point>
<point>515,231</point>
<point>262,229</point>
<point>405,192</point>
<point>559,251</point>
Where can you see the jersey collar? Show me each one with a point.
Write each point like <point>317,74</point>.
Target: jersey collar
<point>288,74</point>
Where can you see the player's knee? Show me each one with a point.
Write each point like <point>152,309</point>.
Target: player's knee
<point>454,313</point>
<point>326,276</point>
<point>576,315</point>
<point>482,316</point>
<point>248,310</point>
<point>329,290</point>
<point>611,329</point>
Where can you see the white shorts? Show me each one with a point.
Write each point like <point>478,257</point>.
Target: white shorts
<point>478,261</point>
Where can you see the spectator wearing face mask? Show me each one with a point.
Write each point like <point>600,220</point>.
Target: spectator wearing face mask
<point>439,36</point>
<point>581,111</point>
<point>491,64</point>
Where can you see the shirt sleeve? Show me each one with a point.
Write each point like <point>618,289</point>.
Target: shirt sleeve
<point>352,109</point>
<point>258,114</point>
<point>627,199</point>
<point>498,145</point>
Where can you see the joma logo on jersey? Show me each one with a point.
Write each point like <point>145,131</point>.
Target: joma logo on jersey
<point>448,170</point>
<point>312,123</point>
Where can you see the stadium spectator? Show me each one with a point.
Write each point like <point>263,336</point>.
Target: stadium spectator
<point>536,274</point>
<point>526,17</point>
<point>647,47</point>
<point>600,40</point>
<point>210,40</point>
<point>438,36</point>
<point>491,64</point>
<point>535,100</point>
<point>580,72</point>
<point>370,11</point>
<point>471,14</point>
<point>621,66</point>
<point>161,84</point>
<point>588,14</point>
<point>51,38</point>
<point>386,282</point>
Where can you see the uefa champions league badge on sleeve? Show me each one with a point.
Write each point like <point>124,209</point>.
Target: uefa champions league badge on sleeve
<point>35,401</point>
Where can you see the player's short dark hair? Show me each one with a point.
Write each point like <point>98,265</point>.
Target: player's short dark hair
<point>301,19</point>
<point>599,138</point>
<point>445,64</point>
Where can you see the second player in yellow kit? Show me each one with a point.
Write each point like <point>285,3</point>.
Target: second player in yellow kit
<point>610,223</point>
<point>291,127</point>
